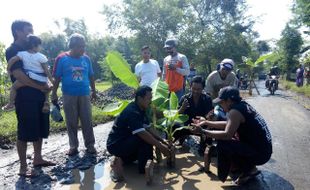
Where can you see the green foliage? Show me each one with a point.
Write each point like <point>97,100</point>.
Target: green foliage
<point>4,78</point>
<point>305,90</point>
<point>301,9</point>
<point>216,29</point>
<point>289,48</point>
<point>121,69</point>
<point>115,109</point>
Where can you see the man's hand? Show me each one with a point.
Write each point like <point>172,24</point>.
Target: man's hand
<point>54,97</point>
<point>196,129</point>
<point>93,95</point>
<point>171,66</point>
<point>164,149</point>
<point>184,105</point>
<point>47,87</point>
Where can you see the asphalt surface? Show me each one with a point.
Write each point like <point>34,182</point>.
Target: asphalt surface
<point>288,168</point>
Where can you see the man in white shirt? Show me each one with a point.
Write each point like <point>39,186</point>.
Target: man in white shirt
<point>148,69</point>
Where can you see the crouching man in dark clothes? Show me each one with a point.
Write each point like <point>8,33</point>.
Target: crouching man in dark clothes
<point>254,146</point>
<point>131,137</point>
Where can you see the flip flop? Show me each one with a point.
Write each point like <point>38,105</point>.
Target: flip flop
<point>45,164</point>
<point>245,178</point>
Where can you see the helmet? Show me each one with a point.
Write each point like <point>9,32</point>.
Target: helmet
<point>170,43</point>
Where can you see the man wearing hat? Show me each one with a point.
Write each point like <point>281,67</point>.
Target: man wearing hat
<point>175,68</point>
<point>252,147</point>
<point>221,78</point>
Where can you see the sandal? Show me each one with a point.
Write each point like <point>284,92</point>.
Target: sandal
<point>244,178</point>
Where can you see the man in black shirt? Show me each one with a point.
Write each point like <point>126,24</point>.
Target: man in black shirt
<point>195,103</point>
<point>131,137</point>
<point>33,125</point>
<point>252,147</point>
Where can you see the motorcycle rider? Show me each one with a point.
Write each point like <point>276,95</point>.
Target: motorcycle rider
<point>274,71</point>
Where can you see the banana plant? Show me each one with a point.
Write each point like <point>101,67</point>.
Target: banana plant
<point>162,101</point>
<point>251,65</point>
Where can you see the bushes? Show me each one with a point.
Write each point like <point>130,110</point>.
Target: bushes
<point>305,90</point>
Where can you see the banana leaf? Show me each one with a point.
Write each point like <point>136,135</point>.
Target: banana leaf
<point>115,109</point>
<point>174,102</point>
<point>121,69</point>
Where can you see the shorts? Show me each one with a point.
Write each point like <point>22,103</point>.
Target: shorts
<point>33,124</point>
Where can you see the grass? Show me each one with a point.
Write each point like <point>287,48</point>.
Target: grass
<point>102,86</point>
<point>305,90</point>
<point>8,121</point>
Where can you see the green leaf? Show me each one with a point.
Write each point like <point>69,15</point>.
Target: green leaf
<point>164,106</point>
<point>115,109</point>
<point>181,118</point>
<point>121,69</point>
<point>173,101</point>
<point>263,58</point>
<point>170,114</point>
<point>159,89</point>
<point>158,101</point>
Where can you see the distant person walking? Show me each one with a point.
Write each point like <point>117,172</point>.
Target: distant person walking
<point>175,68</point>
<point>32,123</point>
<point>74,70</point>
<point>300,76</point>
<point>148,69</point>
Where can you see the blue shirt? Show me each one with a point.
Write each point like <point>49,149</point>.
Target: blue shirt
<point>74,74</point>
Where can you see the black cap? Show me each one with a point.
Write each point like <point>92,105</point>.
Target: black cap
<point>170,43</point>
<point>228,92</point>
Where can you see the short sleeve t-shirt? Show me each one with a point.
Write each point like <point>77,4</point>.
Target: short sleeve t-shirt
<point>32,61</point>
<point>74,74</point>
<point>131,121</point>
<point>254,131</point>
<point>202,109</point>
<point>215,83</point>
<point>148,72</point>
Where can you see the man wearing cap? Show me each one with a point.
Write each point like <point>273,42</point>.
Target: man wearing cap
<point>175,68</point>
<point>253,147</point>
<point>221,78</point>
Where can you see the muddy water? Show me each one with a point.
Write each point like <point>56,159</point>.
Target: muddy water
<point>96,178</point>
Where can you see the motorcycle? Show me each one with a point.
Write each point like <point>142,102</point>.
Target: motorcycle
<point>272,84</point>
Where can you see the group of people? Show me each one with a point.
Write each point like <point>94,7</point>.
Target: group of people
<point>302,73</point>
<point>242,135</point>
<point>32,83</point>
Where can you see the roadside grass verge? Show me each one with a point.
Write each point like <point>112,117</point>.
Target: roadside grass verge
<point>8,123</point>
<point>288,85</point>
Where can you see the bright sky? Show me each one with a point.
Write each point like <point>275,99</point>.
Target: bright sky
<point>272,14</point>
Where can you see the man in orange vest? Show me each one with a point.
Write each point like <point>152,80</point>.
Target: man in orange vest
<point>175,68</point>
